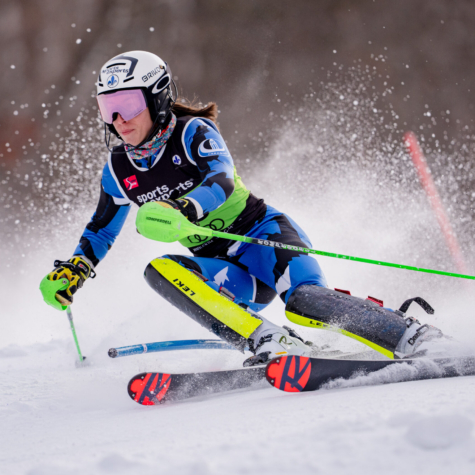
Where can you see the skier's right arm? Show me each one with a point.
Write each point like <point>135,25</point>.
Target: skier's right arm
<point>96,240</point>
<point>105,224</point>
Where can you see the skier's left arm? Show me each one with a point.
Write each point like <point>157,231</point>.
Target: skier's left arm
<point>206,149</point>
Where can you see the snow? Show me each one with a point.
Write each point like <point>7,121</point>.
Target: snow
<point>60,420</point>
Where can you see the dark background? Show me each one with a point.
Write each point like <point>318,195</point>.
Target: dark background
<point>243,55</point>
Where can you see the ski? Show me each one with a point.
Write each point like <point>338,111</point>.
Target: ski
<point>150,389</point>
<point>300,374</point>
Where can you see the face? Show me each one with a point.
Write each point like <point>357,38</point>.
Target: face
<point>135,130</point>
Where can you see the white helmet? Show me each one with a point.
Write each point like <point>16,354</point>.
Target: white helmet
<point>140,70</point>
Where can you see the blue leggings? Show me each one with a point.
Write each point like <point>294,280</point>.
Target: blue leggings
<point>256,274</point>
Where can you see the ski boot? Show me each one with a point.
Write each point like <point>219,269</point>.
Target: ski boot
<point>417,340</point>
<point>270,341</point>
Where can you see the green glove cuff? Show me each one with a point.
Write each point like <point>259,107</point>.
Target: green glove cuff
<point>165,224</point>
<point>49,288</point>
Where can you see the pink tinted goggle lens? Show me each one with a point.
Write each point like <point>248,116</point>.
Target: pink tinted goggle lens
<point>128,103</point>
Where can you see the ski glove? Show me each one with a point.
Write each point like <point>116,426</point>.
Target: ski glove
<point>72,274</point>
<point>184,206</point>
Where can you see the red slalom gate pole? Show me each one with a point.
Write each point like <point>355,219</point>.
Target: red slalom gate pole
<point>428,184</point>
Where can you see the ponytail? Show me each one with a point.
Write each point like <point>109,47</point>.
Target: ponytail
<point>185,107</point>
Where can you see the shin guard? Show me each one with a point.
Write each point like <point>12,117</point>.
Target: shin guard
<point>187,291</point>
<point>363,320</point>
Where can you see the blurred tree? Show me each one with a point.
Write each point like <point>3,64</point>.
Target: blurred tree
<point>244,55</point>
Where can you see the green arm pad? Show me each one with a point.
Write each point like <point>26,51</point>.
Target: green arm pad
<point>165,224</point>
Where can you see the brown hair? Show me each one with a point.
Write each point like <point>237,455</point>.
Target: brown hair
<point>185,107</point>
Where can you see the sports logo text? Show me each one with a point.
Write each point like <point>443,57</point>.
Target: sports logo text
<point>162,192</point>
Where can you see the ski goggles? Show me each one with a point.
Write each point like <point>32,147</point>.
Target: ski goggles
<point>129,103</point>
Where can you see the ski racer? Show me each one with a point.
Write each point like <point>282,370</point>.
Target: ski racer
<point>172,153</point>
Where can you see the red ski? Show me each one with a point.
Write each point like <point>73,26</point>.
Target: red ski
<point>150,389</point>
<point>299,373</point>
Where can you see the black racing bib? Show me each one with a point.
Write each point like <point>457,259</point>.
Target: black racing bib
<point>171,171</point>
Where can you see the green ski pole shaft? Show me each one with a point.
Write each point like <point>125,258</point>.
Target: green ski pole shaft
<point>70,318</point>
<point>262,242</point>
<point>169,225</point>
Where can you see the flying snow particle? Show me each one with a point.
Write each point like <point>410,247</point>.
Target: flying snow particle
<point>152,28</point>
<point>15,112</point>
<point>119,45</point>
<point>334,51</point>
<point>78,41</point>
<point>73,25</point>
<point>13,66</point>
<point>88,30</point>
<point>45,49</point>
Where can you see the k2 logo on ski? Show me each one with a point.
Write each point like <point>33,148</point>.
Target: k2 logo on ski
<point>131,182</point>
<point>211,147</point>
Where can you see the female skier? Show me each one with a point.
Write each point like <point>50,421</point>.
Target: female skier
<point>174,155</point>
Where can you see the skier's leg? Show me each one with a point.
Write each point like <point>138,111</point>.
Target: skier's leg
<point>300,283</point>
<point>283,271</point>
<point>193,293</point>
<point>363,320</point>
<point>219,273</point>
<point>391,333</point>
<point>195,286</point>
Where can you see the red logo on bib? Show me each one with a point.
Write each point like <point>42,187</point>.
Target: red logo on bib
<point>131,182</point>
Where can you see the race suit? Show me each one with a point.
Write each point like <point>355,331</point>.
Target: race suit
<point>195,162</point>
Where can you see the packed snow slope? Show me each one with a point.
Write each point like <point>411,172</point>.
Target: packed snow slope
<point>353,194</point>
<point>58,420</point>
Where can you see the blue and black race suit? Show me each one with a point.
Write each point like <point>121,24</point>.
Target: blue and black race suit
<point>196,163</point>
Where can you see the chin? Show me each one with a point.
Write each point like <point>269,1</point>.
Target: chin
<point>130,141</point>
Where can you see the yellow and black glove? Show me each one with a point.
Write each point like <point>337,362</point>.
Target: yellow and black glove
<point>77,270</point>
<point>184,206</point>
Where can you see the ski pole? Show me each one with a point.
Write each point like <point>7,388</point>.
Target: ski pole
<point>70,318</point>
<point>169,225</point>
<point>161,346</point>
